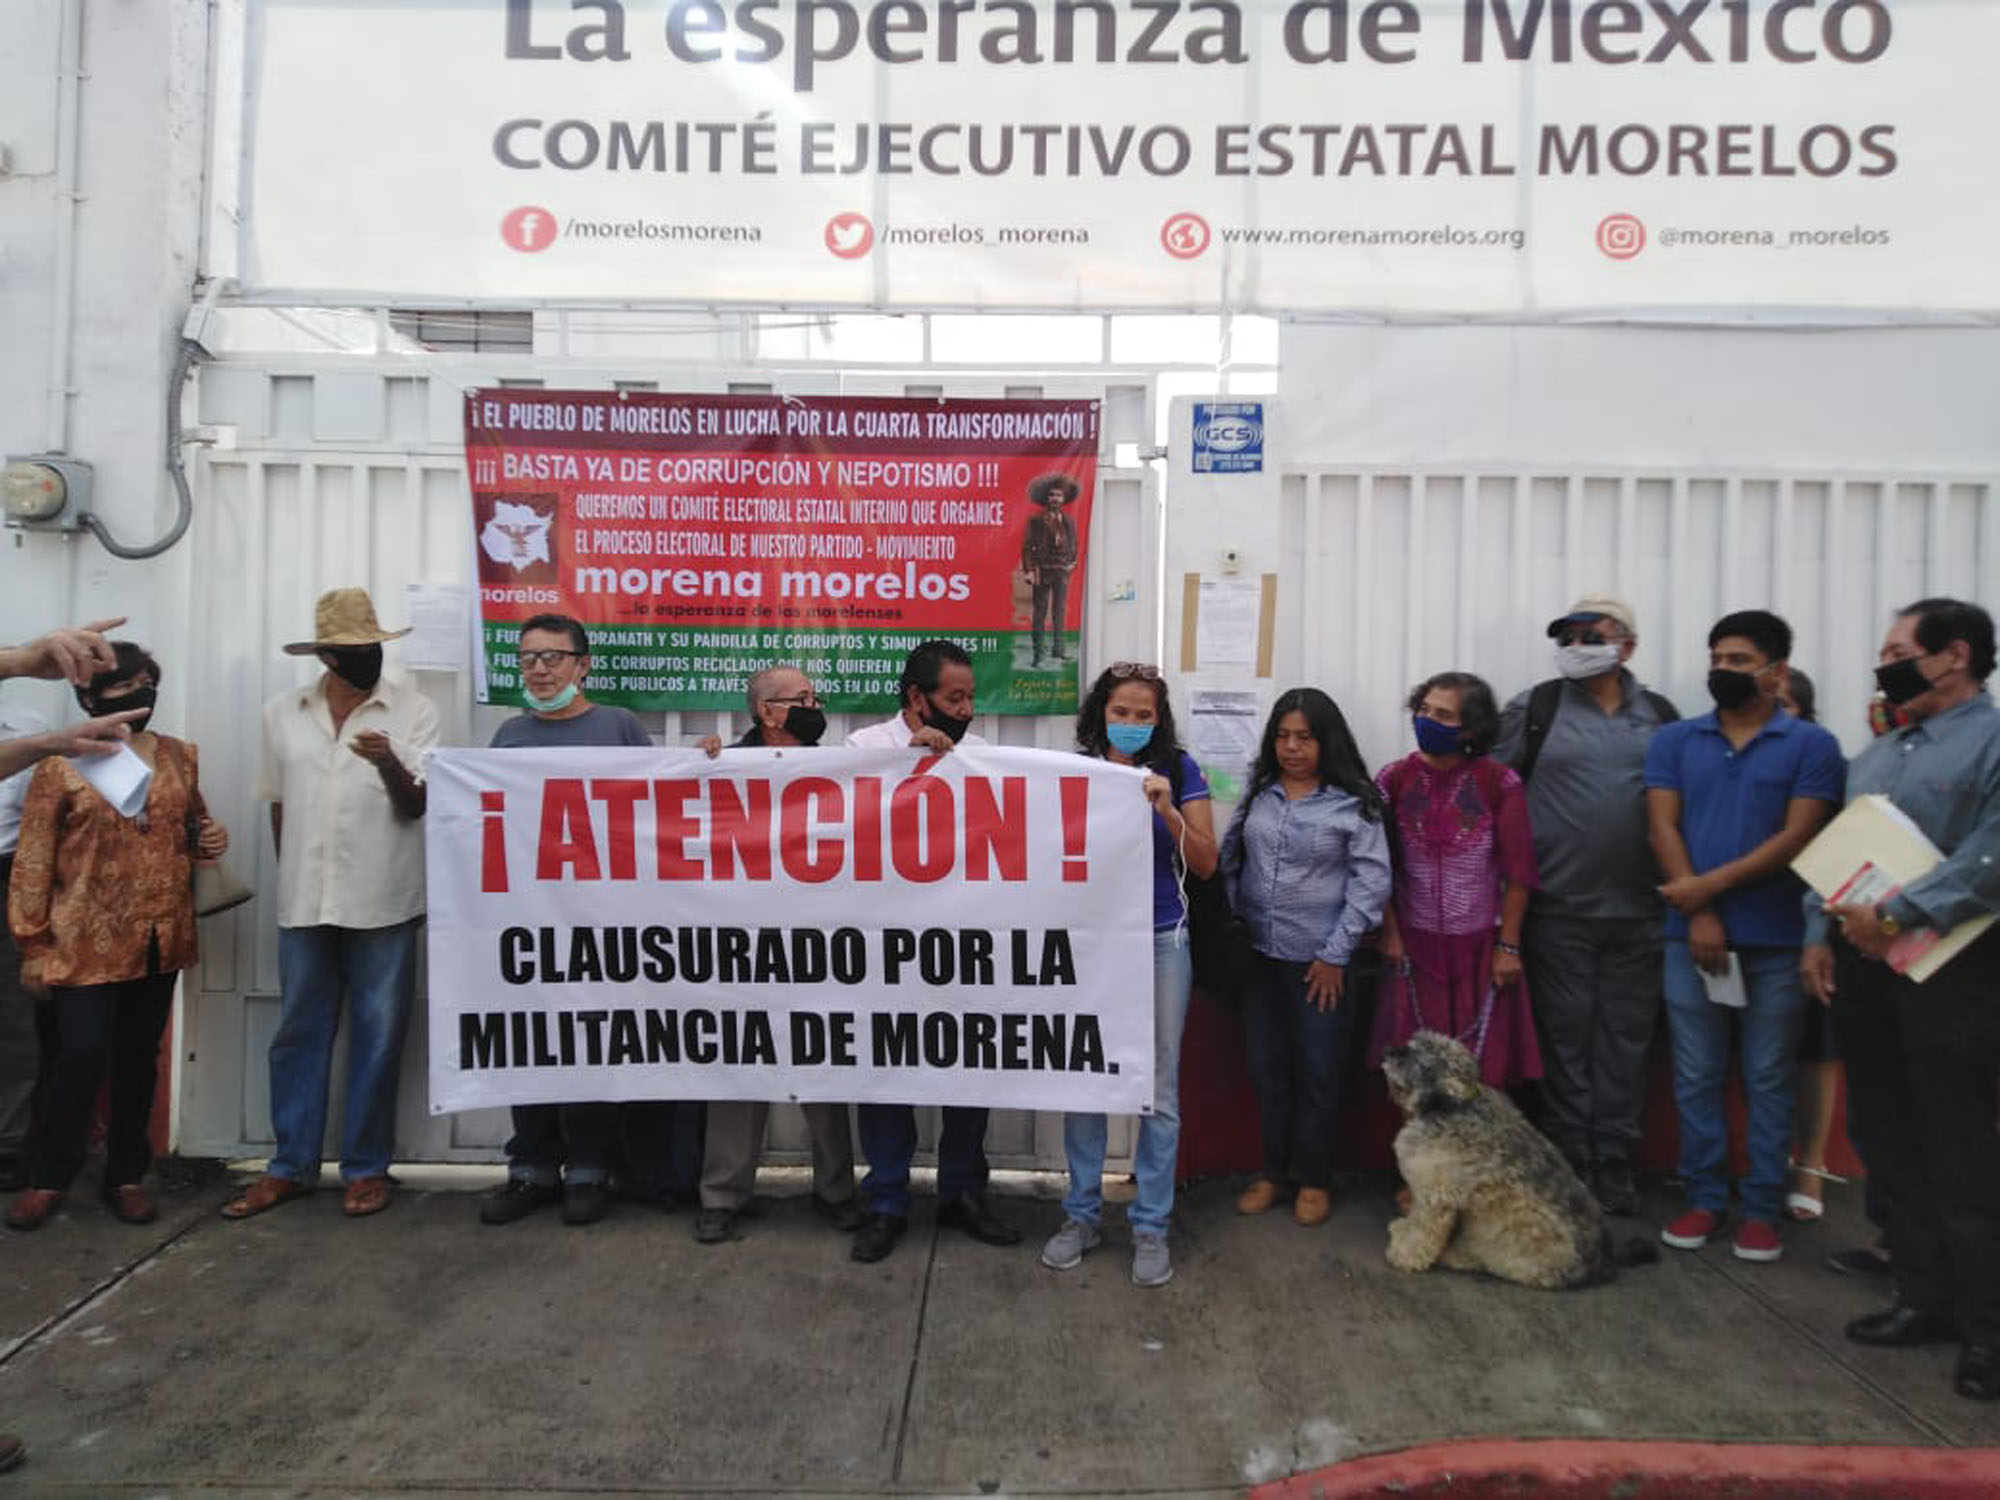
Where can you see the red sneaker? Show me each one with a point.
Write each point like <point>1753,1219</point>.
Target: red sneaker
<point>1691,1230</point>
<point>1756,1240</point>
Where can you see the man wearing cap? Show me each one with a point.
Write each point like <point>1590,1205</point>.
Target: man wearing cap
<point>1594,933</point>
<point>341,768</point>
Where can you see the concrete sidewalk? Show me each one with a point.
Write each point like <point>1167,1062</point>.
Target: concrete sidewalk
<point>301,1354</point>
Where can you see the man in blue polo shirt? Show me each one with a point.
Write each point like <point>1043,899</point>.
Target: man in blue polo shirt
<point>1731,797</point>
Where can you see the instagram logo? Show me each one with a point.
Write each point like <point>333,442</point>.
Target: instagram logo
<point>1620,236</point>
<point>529,230</point>
<point>1184,236</point>
<point>850,236</point>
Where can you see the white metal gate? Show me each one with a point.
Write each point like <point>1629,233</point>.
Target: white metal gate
<point>1389,575</point>
<point>324,472</point>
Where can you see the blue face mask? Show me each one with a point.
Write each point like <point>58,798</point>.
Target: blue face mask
<point>1129,739</point>
<point>554,705</point>
<point>1435,738</point>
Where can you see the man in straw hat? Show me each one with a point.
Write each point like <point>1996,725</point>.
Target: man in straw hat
<point>350,899</point>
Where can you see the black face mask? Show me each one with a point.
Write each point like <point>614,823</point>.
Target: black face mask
<point>357,666</point>
<point>144,697</point>
<point>1732,689</point>
<point>1900,681</point>
<point>805,724</point>
<point>951,728</point>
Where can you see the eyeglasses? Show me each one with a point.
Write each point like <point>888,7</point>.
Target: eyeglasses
<point>802,700</point>
<point>1128,669</point>
<point>1580,636</point>
<point>543,658</point>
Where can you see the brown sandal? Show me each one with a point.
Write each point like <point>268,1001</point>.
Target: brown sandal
<point>365,1196</point>
<point>265,1193</point>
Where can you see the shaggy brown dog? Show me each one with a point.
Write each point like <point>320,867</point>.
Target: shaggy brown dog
<point>1487,1190</point>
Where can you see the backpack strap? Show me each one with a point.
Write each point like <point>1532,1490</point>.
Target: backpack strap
<point>1667,713</point>
<point>1542,705</point>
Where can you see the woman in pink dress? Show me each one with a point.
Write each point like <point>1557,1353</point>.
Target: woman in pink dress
<point>1465,863</point>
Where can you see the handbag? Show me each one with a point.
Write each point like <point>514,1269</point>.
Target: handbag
<point>215,887</point>
<point>1218,937</point>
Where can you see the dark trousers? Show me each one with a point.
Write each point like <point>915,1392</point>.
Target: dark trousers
<point>1051,602</point>
<point>95,1029</point>
<point>1596,984</point>
<point>19,1048</point>
<point>889,1140</point>
<point>1923,1064</point>
<point>1298,1060</point>
<point>553,1142</point>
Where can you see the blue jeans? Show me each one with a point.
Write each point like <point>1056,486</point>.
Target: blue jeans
<point>376,967</point>
<point>1298,1056</point>
<point>1155,1161</point>
<point>889,1139</point>
<point>1771,1025</point>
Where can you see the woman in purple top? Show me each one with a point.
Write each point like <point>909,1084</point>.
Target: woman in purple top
<point>1307,862</point>
<point>1465,863</point>
<point>1127,720</point>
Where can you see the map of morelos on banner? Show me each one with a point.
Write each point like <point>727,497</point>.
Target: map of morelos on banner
<point>866,925</point>
<point>1521,158</point>
<point>700,538</point>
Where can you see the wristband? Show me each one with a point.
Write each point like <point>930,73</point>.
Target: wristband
<point>1510,948</point>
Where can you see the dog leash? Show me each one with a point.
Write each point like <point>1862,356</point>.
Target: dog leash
<point>1476,1031</point>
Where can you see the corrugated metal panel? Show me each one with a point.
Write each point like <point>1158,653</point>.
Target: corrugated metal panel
<point>1389,575</point>
<point>344,473</point>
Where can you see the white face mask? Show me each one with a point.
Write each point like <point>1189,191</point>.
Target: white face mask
<point>1578,662</point>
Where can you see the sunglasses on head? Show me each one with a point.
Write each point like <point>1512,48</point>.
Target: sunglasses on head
<point>1123,670</point>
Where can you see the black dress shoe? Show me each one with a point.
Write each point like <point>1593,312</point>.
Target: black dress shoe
<point>878,1236</point>
<point>517,1200</point>
<point>714,1226</point>
<point>1978,1374</point>
<point>1902,1327</point>
<point>971,1214</point>
<point>1617,1192</point>
<point>585,1202</point>
<point>846,1215</point>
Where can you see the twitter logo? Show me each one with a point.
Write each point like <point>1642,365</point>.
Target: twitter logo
<point>850,236</point>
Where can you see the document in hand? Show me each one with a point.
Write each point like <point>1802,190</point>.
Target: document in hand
<point>1867,854</point>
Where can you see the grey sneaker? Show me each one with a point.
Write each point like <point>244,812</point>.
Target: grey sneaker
<point>1151,1265</point>
<point>1068,1245</point>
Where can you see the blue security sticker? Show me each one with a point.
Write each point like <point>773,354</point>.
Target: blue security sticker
<point>1228,437</point>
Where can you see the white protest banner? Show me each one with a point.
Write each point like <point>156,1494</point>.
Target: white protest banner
<point>1501,157</point>
<point>610,924</point>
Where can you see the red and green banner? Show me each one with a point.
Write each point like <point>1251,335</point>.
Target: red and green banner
<point>700,538</point>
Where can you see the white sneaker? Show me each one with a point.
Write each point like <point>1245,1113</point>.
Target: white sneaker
<point>1068,1245</point>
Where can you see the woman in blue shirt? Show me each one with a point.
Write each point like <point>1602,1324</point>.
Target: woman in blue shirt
<point>1307,860</point>
<point>1127,720</point>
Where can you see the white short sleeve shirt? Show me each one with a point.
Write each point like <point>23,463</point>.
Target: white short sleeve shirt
<point>893,734</point>
<point>348,859</point>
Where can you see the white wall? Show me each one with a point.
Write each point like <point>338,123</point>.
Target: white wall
<point>136,172</point>
<point>1435,495</point>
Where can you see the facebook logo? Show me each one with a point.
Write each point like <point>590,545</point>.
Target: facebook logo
<point>529,229</point>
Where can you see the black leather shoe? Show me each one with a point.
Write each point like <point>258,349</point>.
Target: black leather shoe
<point>1978,1374</point>
<point>847,1215</point>
<point>878,1236</point>
<point>585,1202</point>
<point>713,1226</point>
<point>1902,1327</point>
<point>971,1214</point>
<point>1617,1192</point>
<point>516,1201</point>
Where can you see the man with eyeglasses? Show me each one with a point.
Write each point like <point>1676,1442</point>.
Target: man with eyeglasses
<point>785,713</point>
<point>341,766</point>
<point>560,1152</point>
<point>1594,937</point>
<point>934,699</point>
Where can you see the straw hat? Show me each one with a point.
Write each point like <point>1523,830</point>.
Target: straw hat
<point>344,617</point>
